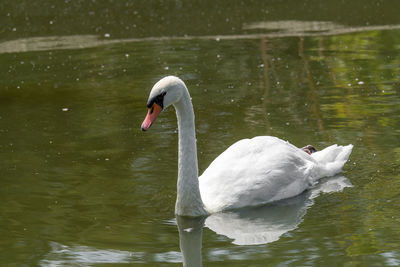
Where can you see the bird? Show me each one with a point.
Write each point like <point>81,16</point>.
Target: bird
<point>251,172</point>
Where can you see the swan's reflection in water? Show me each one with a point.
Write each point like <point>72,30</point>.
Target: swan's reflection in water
<point>190,236</point>
<point>253,226</point>
<point>259,225</point>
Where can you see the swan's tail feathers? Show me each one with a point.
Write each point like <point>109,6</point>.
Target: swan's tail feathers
<point>332,159</point>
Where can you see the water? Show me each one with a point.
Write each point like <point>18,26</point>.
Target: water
<point>82,185</point>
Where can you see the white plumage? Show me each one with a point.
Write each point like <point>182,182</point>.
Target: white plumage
<point>251,172</point>
<point>265,169</point>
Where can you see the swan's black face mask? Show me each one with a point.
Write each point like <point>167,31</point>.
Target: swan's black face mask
<point>158,99</point>
<point>155,105</point>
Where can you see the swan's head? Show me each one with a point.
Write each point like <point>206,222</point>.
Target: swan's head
<point>165,92</point>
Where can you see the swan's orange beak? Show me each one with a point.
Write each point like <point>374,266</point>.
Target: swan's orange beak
<point>151,116</point>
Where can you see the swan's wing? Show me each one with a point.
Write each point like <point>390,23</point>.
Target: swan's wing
<point>255,171</point>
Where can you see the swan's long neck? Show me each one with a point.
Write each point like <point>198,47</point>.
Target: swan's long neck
<point>188,202</point>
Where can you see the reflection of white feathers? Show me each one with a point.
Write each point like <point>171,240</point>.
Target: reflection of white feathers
<point>77,255</point>
<point>262,225</point>
<point>63,255</point>
<point>330,185</point>
<point>251,226</point>
<point>268,223</point>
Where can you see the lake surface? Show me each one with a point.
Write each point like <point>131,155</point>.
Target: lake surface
<point>81,185</point>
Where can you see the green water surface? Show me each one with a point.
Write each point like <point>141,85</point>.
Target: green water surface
<point>81,185</point>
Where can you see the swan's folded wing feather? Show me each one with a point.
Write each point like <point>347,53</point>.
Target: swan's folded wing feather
<point>253,172</point>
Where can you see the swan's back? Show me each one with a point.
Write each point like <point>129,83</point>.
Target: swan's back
<point>258,170</point>
<point>255,171</point>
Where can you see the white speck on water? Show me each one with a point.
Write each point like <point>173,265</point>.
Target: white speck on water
<point>127,55</point>
<point>166,68</point>
<point>261,65</point>
<point>77,79</point>
<point>360,82</point>
<point>51,22</point>
<point>288,123</point>
<point>107,35</point>
<point>64,109</point>
<point>217,39</point>
<point>22,62</point>
<point>106,159</point>
<point>349,84</point>
<point>14,29</point>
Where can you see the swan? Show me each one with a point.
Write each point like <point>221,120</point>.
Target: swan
<point>250,172</point>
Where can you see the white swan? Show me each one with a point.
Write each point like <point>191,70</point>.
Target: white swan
<point>250,172</point>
